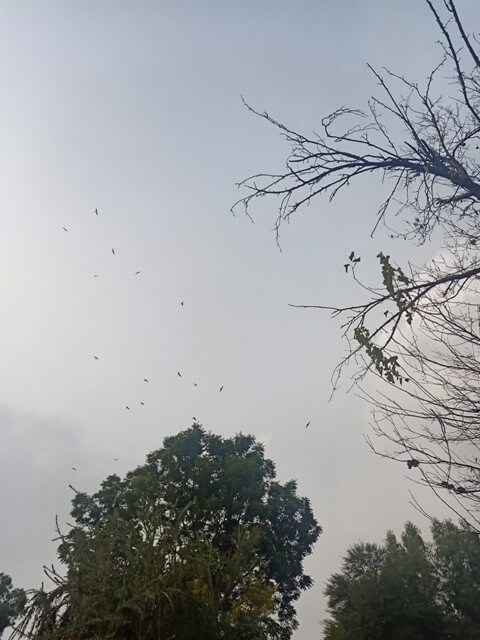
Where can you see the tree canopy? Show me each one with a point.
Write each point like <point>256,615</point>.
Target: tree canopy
<point>12,602</point>
<point>408,588</point>
<point>200,541</point>
<point>417,329</point>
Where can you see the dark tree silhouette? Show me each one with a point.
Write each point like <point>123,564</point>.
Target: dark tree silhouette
<point>199,542</point>
<point>408,588</point>
<point>12,602</point>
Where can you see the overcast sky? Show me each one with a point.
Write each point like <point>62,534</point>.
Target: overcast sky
<point>133,107</point>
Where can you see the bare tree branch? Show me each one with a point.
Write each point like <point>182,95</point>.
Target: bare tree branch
<point>419,334</point>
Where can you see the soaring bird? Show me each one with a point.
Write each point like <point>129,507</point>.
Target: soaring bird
<point>142,403</point>
<point>308,424</point>
<point>96,357</point>
<point>95,275</point>
<point>74,468</point>
<point>145,380</point>
<point>113,251</point>
<point>137,273</point>
<point>179,374</point>
<point>194,418</point>
<point>96,212</point>
<point>195,384</point>
<point>65,228</point>
<point>116,459</point>
<point>181,303</point>
<point>221,388</point>
<point>127,407</point>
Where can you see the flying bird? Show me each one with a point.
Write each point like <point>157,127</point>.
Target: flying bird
<point>181,303</point>
<point>96,212</point>
<point>308,424</point>
<point>221,388</point>
<point>113,251</point>
<point>194,418</point>
<point>96,357</point>
<point>137,273</point>
<point>95,275</point>
<point>116,459</point>
<point>127,407</point>
<point>145,380</point>
<point>346,267</point>
<point>179,374</point>
<point>74,468</point>
<point>142,403</point>
<point>195,384</point>
<point>65,228</point>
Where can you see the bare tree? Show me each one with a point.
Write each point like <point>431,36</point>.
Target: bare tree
<point>430,422</point>
<point>420,332</point>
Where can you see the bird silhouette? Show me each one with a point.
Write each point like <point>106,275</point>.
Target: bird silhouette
<point>181,303</point>
<point>65,228</point>
<point>95,275</point>
<point>96,357</point>
<point>137,273</point>
<point>142,403</point>
<point>116,459</point>
<point>308,424</point>
<point>127,407</point>
<point>179,374</point>
<point>194,418</point>
<point>221,388</point>
<point>145,380</point>
<point>113,251</point>
<point>74,468</point>
<point>412,463</point>
<point>195,384</point>
<point>96,212</point>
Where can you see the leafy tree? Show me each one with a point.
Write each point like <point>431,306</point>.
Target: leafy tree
<point>457,562</point>
<point>418,328</point>
<point>199,542</point>
<point>408,589</point>
<point>12,602</point>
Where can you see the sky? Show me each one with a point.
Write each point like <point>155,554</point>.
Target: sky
<point>134,108</point>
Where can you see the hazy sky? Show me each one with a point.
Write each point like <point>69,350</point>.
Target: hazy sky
<point>134,107</point>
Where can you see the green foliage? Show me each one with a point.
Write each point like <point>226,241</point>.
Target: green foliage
<point>12,602</point>
<point>408,589</point>
<point>199,542</point>
<point>396,284</point>
<point>386,366</point>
